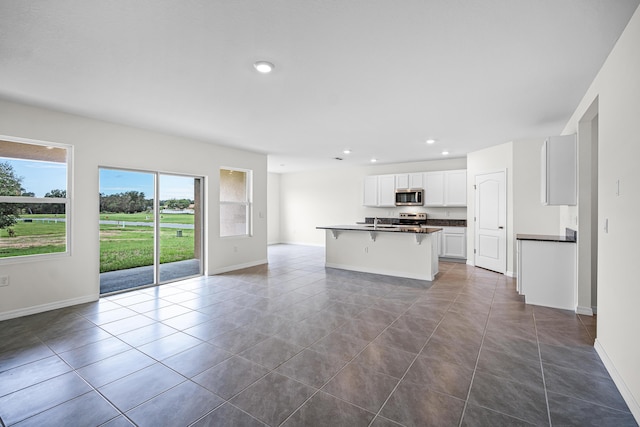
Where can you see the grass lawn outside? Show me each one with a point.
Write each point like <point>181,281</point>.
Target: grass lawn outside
<point>120,248</point>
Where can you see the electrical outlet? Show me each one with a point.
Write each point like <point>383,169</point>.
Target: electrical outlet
<point>4,280</point>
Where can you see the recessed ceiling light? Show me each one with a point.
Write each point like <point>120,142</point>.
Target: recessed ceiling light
<point>347,151</point>
<point>445,153</point>
<point>431,141</point>
<point>264,67</point>
<point>374,160</point>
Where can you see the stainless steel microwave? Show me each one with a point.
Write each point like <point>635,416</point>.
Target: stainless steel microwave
<point>409,197</point>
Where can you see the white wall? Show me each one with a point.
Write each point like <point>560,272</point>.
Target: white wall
<point>617,88</point>
<point>36,285</point>
<point>273,208</point>
<point>333,197</point>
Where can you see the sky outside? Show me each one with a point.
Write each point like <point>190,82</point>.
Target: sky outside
<point>42,177</point>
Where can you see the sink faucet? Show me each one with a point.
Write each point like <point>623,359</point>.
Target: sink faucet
<point>376,221</point>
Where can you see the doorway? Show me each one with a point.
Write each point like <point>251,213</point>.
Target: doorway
<point>150,228</point>
<point>490,222</point>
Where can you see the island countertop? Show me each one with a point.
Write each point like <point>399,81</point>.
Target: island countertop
<point>382,228</point>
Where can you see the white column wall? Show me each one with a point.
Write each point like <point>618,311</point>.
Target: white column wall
<point>617,88</point>
<point>41,284</point>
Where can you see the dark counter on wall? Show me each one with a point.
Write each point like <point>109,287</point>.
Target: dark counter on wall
<point>569,237</point>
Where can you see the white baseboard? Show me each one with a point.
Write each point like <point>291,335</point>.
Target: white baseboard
<point>587,311</point>
<point>633,405</point>
<point>470,262</point>
<point>594,309</point>
<point>510,274</point>
<point>381,271</point>
<point>47,307</point>
<point>317,245</point>
<point>236,267</point>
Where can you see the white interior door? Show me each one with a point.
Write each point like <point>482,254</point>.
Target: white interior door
<point>491,219</point>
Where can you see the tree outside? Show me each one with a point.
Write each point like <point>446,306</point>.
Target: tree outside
<point>10,185</point>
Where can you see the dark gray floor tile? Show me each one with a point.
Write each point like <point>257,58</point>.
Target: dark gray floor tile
<point>30,401</point>
<point>440,375</point>
<point>129,324</point>
<point>402,339</point>
<point>146,334</point>
<point>22,355</point>
<point>64,326</point>
<point>381,421</point>
<point>386,360</point>
<point>187,320</point>
<point>239,339</point>
<point>151,305</point>
<point>475,416</point>
<point>505,365</point>
<point>120,421</point>
<point>499,394</point>
<point>361,329</point>
<point>361,386</point>
<point>326,320</point>
<point>134,389</point>
<point>518,347</point>
<point>181,405</point>
<point>585,386</point>
<point>115,367</point>
<point>211,329</point>
<point>580,358</point>
<point>413,405</point>
<point>340,345</point>
<point>301,334</point>
<point>32,373</point>
<point>271,352</point>
<point>94,352</point>
<point>460,352</point>
<point>228,416</point>
<point>77,339</point>
<point>90,409</point>
<point>170,345</point>
<point>325,410</point>
<point>231,376</point>
<point>167,312</point>
<point>285,396</point>
<point>196,359</point>
<point>344,309</point>
<point>375,315</point>
<point>568,411</point>
<point>102,317</point>
<point>311,368</point>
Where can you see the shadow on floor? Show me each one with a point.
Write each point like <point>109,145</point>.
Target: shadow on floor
<point>114,281</point>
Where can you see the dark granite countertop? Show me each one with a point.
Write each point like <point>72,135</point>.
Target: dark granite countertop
<point>547,238</point>
<point>383,228</point>
<point>447,222</point>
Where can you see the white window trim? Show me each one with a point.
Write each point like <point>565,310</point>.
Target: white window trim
<point>248,204</point>
<point>49,200</point>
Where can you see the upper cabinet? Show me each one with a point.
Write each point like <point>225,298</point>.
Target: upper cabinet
<point>441,188</point>
<point>410,180</point>
<point>380,190</point>
<point>445,188</point>
<point>559,171</point>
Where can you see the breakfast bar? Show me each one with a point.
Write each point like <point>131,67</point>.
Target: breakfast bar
<point>391,250</point>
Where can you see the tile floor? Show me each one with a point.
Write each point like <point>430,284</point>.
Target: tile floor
<point>296,344</point>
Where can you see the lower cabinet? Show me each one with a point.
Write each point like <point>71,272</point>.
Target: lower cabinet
<point>547,273</point>
<point>453,242</point>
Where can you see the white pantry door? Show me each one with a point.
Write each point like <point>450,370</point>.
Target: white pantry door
<point>491,221</point>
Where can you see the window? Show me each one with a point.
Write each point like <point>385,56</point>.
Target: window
<point>235,202</point>
<point>34,207</point>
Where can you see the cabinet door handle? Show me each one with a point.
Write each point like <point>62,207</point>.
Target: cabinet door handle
<point>500,227</point>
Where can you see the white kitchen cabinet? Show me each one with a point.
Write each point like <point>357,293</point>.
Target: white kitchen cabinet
<point>454,242</point>
<point>410,180</point>
<point>370,191</point>
<point>445,188</point>
<point>547,273</point>
<point>559,171</point>
<point>455,188</point>
<point>386,190</point>
<point>434,188</point>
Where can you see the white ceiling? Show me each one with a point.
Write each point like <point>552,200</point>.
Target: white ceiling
<point>376,76</point>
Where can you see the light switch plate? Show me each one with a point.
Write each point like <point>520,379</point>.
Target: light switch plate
<point>4,281</point>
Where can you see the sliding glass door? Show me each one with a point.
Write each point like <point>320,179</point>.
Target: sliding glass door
<point>150,228</point>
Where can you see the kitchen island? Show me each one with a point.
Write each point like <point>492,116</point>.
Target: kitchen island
<point>410,252</point>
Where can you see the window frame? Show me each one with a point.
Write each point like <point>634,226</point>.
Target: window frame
<point>248,203</point>
<point>67,201</point>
